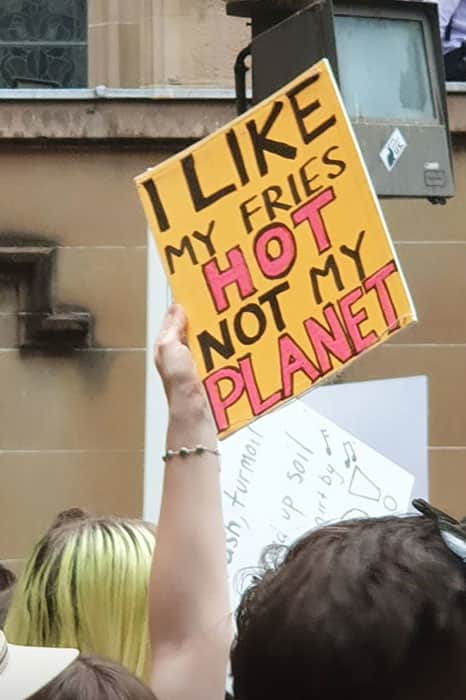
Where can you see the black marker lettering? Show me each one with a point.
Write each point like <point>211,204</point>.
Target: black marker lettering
<point>258,314</point>
<point>247,214</point>
<point>341,165</point>
<point>237,156</point>
<point>205,238</point>
<point>330,267</point>
<point>262,144</point>
<point>294,190</point>
<point>307,180</point>
<point>272,200</point>
<point>223,346</point>
<point>271,298</point>
<point>186,246</point>
<point>199,199</point>
<point>355,255</point>
<point>301,113</point>
<point>157,206</point>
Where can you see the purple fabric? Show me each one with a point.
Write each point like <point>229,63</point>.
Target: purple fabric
<point>454,11</point>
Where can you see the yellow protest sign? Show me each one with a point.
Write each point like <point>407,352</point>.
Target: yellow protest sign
<point>273,241</point>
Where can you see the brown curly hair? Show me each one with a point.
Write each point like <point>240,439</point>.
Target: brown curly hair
<point>363,609</point>
<point>91,678</point>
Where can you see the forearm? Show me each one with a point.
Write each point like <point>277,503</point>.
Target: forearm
<point>189,593</point>
<point>188,598</point>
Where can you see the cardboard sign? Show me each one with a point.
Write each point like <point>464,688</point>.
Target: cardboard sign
<point>321,474</point>
<point>375,411</point>
<point>272,239</point>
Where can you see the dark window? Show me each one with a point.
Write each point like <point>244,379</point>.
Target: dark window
<point>43,43</point>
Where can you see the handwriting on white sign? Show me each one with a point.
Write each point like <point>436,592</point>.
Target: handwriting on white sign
<point>295,470</point>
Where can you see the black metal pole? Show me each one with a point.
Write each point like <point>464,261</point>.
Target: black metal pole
<point>240,79</point>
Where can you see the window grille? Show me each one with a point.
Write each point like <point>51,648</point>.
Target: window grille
<point>43,43</point>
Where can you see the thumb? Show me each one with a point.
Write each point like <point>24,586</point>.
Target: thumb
<point>174,324</point>
<point>178,322</point>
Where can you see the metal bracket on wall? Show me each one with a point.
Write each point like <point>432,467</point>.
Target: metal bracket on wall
<point>42,325</point>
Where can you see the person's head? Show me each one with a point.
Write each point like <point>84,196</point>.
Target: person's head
<point>363,609</point>
<point>7,582</point>
<point>7,578</point>
<point>85,586</point>
<point>91,678</point>
<point>26,669</point>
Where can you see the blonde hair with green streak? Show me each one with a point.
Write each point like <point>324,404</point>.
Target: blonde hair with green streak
<point>86,586</point>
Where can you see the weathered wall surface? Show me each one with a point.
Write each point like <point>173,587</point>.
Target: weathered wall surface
<point>157,42</point>
<point>72,427</point>
<point>431,243</point>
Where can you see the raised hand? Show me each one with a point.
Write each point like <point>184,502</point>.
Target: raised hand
<point>173,357</point>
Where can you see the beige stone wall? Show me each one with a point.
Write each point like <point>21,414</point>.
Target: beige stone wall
<point>72,427</point>
<point>431,243</point>
<point>192,42</point>
<point>142,43</point>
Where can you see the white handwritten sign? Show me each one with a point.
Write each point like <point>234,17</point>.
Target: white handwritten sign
<point>294,470</point>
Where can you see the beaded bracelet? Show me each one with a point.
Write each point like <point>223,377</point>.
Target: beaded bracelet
<point>188,451</point>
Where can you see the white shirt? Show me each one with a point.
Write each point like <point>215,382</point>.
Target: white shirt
<point>453,11</point>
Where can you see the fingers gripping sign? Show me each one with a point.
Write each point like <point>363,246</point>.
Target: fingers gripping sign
<point>173,357</point>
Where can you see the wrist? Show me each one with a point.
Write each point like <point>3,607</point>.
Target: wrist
<point>188,401</point>
<point>182,390</point>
